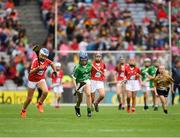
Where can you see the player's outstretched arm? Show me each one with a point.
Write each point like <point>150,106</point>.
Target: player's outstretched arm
<point>53,66</point>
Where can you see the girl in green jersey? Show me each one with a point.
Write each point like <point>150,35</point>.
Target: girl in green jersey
<point>81,79</point>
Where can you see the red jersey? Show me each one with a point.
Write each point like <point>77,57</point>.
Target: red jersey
<point>58,78</point>
<point>96,75</point>
<point>35,77</point>
<point>120,69</point>
<point>131,73</point>
<point>2,79</point>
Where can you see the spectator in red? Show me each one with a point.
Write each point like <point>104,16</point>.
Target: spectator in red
<point>2,78</point>
<point>47,4</point>
<point>9,4</point>
<point>61,20</point>
<point>12,72</point>
<point>146,20</point>
<point>91,13</point>
<point>74,45</point>
<point>130,46</point>
<point>161,13</point>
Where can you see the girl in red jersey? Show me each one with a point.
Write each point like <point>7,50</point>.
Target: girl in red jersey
<point>97,80</point>
<point>133,85</point>
<point>120,85</point>
<point>57,85</point>
<point>37,78</point>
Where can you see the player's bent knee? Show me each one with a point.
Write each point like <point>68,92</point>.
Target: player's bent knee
<point>88,95</point>
<point>102,95</point>
<point>45,92</point>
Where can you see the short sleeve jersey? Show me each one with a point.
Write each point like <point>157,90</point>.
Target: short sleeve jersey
<point>35,77</point>
<point>98,75</point>
<point>82,73</point>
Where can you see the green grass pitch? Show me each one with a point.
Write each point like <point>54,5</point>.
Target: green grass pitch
<point>109,122</point>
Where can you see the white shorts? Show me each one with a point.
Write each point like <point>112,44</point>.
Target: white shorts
<point>95,85</point>
<point>88,82</point>
<point>33,85</point>
<point>133,85</point>
<point>146,86</point>
<point>58,89</point>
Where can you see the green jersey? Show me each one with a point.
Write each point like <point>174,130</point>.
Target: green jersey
<point>152,72</point>
<point>144,72</point>
<point>82,73</point>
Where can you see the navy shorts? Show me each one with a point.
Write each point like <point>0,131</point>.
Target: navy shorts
<point>163,92</point>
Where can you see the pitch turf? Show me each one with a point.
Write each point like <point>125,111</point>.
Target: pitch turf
<point>109,122</point>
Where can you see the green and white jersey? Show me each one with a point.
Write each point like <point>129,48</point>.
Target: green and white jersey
<point>82,73</point>
<point>152,72</point>
<point>144,72</point>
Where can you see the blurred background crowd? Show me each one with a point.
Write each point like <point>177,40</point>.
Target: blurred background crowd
<point>105,25</point>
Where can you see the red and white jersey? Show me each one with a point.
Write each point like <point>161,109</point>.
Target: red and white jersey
<point>95,74</point>
<point>120,69</point>
<point>35,77</point>
<point>58,78</point>
<point>131,73</point>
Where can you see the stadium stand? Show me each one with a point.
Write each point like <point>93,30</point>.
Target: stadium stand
<point>132,25</point>
<point>115,25</point>
<point>13,43</point>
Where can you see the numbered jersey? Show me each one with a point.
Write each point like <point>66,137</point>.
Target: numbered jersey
<point>35,77</point>
<point>98,75</point>
<point>58,78</point>
<point>120,69</point>
<point>82,73</point>
<point>131,73</point>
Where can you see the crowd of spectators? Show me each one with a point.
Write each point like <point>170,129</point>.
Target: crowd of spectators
<point>102,25</point>
<point>108,25</point>
<point>87,25</point>
<point>13,42</point>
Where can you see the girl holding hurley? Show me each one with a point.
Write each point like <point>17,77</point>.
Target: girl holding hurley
<point>97,80</point>
<point>37,79</point>
<point>120,78</point>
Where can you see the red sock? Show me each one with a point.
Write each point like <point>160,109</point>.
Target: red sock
<point>39,103</point>
<point>23,110</point>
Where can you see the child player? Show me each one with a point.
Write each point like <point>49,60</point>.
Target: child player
<point>97,80</point>
<point>133,85</point>
<point>146,81</point>
<point>81,79</point>
<point>120,79</point>
<point>37,79</point>
<point>57,85</point>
